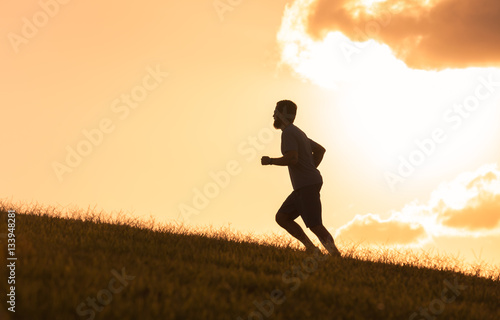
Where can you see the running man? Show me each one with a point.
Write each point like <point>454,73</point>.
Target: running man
<point>302,156</point>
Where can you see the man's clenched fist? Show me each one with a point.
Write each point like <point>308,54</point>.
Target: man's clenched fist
<point>265,160</point>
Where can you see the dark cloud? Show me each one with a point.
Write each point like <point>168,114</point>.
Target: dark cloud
<point>437,35</point>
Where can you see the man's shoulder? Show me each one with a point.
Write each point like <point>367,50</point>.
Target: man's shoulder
<point>293,130</point>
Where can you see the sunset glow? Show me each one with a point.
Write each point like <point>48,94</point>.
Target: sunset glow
<point>167,114</point>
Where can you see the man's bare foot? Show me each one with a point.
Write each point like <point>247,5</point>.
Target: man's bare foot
<point>312,249</point>
<point>332,250</point>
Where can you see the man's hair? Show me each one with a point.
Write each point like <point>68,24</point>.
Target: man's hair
<point>288,109</point>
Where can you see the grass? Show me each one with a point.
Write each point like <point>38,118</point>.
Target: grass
<point>142,270</point>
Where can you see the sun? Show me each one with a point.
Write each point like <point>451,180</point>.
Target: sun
<point>370,4</point>
<point>388,108</point>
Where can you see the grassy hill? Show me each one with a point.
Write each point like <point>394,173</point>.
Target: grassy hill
<point>101,268</point>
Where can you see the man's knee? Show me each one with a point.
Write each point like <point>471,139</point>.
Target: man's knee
<point>278,218</point>
<point>281,218</point>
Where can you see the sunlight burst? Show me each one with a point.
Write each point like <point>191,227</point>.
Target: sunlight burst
<point>387,107</point>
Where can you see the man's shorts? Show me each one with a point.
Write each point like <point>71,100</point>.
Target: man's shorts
<point>304,202</point>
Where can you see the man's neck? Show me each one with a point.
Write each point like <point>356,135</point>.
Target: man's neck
<point>284,126</point>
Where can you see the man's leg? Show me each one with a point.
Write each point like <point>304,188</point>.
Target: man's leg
<point>295,230</point>
<point>326,239</point>
<point>310,205</point>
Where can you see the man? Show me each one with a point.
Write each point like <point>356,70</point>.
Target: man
<point>302,156</point>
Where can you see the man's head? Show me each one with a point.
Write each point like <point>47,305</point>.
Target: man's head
<point>284,113</point>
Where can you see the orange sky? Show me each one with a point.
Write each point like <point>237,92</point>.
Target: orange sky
<point>157,99</point>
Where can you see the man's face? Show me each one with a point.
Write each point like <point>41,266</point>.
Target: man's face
<point>277,119</point>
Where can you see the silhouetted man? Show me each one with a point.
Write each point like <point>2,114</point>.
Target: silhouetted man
<point>302,156</point>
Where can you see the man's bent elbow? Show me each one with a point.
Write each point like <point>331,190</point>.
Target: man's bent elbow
<point>319,153</point>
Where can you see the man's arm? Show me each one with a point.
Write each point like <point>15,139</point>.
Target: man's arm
<point>318,152</point>
<point>289,158</point>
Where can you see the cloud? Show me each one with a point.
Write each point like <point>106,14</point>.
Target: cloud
<point>483,179</point>
<point>373,230</point>
<point>432,34</point>
<point>481,210</point>
<point>468,206</point>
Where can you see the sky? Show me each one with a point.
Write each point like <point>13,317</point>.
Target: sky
<point>164,109</point>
